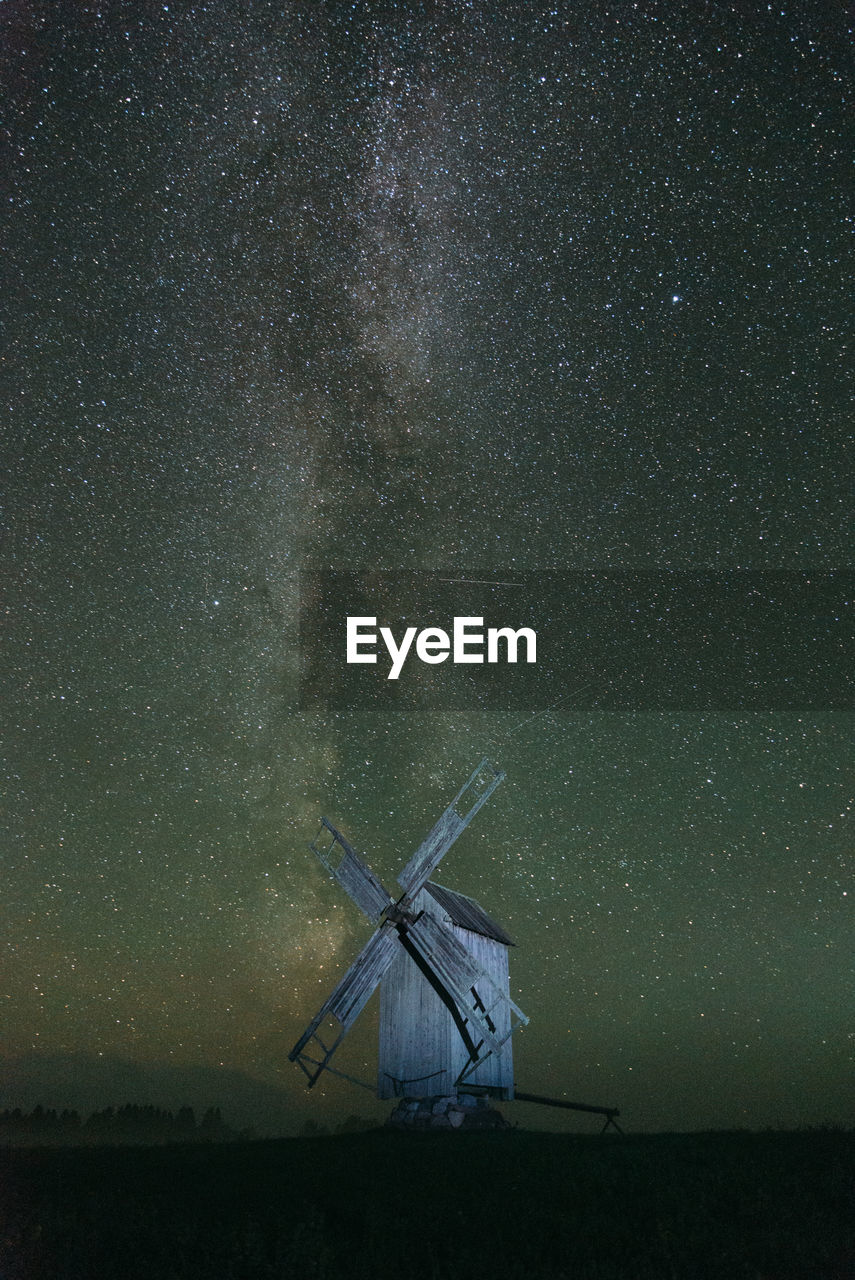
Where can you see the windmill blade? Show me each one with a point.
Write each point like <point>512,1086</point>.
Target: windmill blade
<point>346,1002</point>
<point>469,799</point>
<point>485,1015</point>
<point>355,876</point>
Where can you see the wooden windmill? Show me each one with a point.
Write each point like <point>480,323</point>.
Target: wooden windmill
<point>446,1016</point>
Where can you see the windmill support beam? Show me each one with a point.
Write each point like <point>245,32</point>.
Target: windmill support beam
<point>443,993</point>
<point>608,1112</point>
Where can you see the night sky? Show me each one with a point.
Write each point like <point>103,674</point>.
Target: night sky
<point>476,288</point>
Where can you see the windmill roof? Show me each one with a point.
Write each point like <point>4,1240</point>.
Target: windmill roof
<point>466,913</point>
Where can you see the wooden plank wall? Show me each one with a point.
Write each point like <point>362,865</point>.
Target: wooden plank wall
<point>417,1033</point>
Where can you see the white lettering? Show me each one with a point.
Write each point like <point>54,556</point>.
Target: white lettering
<point>355,638</point>
<point>432,644</point>
<point>511,638</point>
<point>462,637</point>
<point>397,654</point>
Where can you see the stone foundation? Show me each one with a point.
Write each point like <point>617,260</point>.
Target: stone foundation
<point>463,1111</point>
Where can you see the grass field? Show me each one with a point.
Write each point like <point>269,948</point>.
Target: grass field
<point>511,1204</point>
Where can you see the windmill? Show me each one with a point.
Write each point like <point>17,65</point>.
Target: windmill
<point>446,1015</point>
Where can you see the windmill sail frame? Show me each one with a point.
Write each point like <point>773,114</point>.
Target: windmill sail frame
<point>352,873</point>
<point>481,1011</point>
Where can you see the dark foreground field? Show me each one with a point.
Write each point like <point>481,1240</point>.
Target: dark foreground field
<point>446,1205</point>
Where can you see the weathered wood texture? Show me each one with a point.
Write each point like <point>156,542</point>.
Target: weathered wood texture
<point>353,874</point>
<point>421,1050</point>
<point>472,795</point>
<point>452,965</point>
<point>312,1051</point>
<point>431,851</point>
<point>467,913</point>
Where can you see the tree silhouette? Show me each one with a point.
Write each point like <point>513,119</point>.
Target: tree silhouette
<point>133,1123</point>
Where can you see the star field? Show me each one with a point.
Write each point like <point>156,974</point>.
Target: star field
<point>447,287</point>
